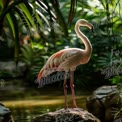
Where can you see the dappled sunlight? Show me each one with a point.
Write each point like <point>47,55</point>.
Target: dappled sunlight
<point>32,102</point>
<point>45,101</point>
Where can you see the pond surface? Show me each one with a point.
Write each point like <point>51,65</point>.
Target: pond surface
<point>25,110</point>
<point>26,103</point>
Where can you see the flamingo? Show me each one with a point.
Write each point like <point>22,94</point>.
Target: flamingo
<point>68,59</point>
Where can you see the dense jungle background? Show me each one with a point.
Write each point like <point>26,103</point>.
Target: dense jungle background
<point>32,30</point>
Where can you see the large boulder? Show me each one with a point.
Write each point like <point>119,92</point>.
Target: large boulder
<point>104,103</point>
<point>67,115</point>
<point>5,114</point>
<point>10,69</point>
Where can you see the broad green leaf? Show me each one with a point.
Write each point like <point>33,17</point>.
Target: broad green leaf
<point>16,38</point>
<point>11,24</point>
<point>23,17</point>
<point>27,14</point>
<point>38,19</point>
<point>43,17</point>
<point>41,14</point>
<point>14,27</point>
<point>26,21</point>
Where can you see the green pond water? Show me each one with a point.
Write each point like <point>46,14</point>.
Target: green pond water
<point>26,103</point>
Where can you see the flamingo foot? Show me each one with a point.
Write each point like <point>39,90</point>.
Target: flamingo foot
<point>66,107</point>
<point>74,106</point>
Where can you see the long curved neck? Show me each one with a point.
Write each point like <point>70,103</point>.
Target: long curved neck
<point>88,46</point>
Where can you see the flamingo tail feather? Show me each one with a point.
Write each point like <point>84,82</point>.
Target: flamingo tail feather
<point>40,74</point>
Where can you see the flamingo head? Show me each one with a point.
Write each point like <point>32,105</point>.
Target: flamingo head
<point>83,22</point>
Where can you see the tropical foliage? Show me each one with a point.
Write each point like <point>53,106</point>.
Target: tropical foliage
<point>35,29</point>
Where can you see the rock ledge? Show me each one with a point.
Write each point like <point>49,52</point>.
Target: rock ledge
<point>67,115</point>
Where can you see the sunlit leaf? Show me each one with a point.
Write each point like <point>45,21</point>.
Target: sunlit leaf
<point>27,14</point>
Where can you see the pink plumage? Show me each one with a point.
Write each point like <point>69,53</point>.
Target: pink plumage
<point>64,60</point>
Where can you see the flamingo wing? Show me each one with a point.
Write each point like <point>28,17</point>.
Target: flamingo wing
<point>63,60</point>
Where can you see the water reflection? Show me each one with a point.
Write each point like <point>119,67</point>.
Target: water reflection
<point>28,103</point>
<point>25,114</point>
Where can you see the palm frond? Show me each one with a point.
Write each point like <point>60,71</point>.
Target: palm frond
<point>72,10</point>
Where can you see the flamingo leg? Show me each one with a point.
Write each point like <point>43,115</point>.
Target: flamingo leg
<point>65,91</point>
<point>72,88</point>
